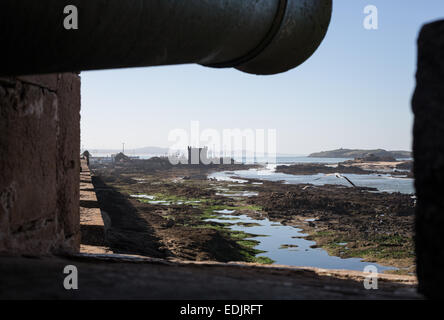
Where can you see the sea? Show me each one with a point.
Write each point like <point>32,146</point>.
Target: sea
<point>382,182</point>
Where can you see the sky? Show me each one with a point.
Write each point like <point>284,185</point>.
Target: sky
<point>354,92</point>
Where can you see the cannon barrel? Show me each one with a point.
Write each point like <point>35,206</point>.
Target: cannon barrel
<point>254,36</point>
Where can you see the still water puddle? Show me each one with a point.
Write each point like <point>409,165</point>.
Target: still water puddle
<point>239,194</point>
<point>142,196</point>
<point>286,244</point>
<point>151,199</point>
<point>225,211</point>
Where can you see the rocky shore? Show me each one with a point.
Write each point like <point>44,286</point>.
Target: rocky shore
<point>357,166</point>
<point>347,222</point>
<point>164,213</point>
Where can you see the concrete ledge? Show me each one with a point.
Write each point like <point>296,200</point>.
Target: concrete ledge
<point>125,277</point>
<point>281,269</point>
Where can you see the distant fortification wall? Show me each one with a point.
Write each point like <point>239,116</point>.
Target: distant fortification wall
<point>39,164</point>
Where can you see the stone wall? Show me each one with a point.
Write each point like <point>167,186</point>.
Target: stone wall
<point>39,164</point>
<point>428,148</point>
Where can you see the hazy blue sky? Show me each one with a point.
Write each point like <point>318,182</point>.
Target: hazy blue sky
<point>354,92</point>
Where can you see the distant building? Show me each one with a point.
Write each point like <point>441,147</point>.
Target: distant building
<point>121,157</point>
<point>200,156</point>
<point>86,155</point>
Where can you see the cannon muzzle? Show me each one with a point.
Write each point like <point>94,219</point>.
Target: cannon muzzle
<point>254,36</point>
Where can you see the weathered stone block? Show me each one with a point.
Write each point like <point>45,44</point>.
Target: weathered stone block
<point>39,163</point>
<point>68,160</point>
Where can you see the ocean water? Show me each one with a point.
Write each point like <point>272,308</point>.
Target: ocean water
<point>384,183</point>
<point>281,160</point>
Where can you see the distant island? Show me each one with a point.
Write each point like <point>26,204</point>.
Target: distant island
<point>358,153</point>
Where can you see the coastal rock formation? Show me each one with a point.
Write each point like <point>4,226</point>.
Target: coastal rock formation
<point>312,168</point>
<point>375,158</point>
